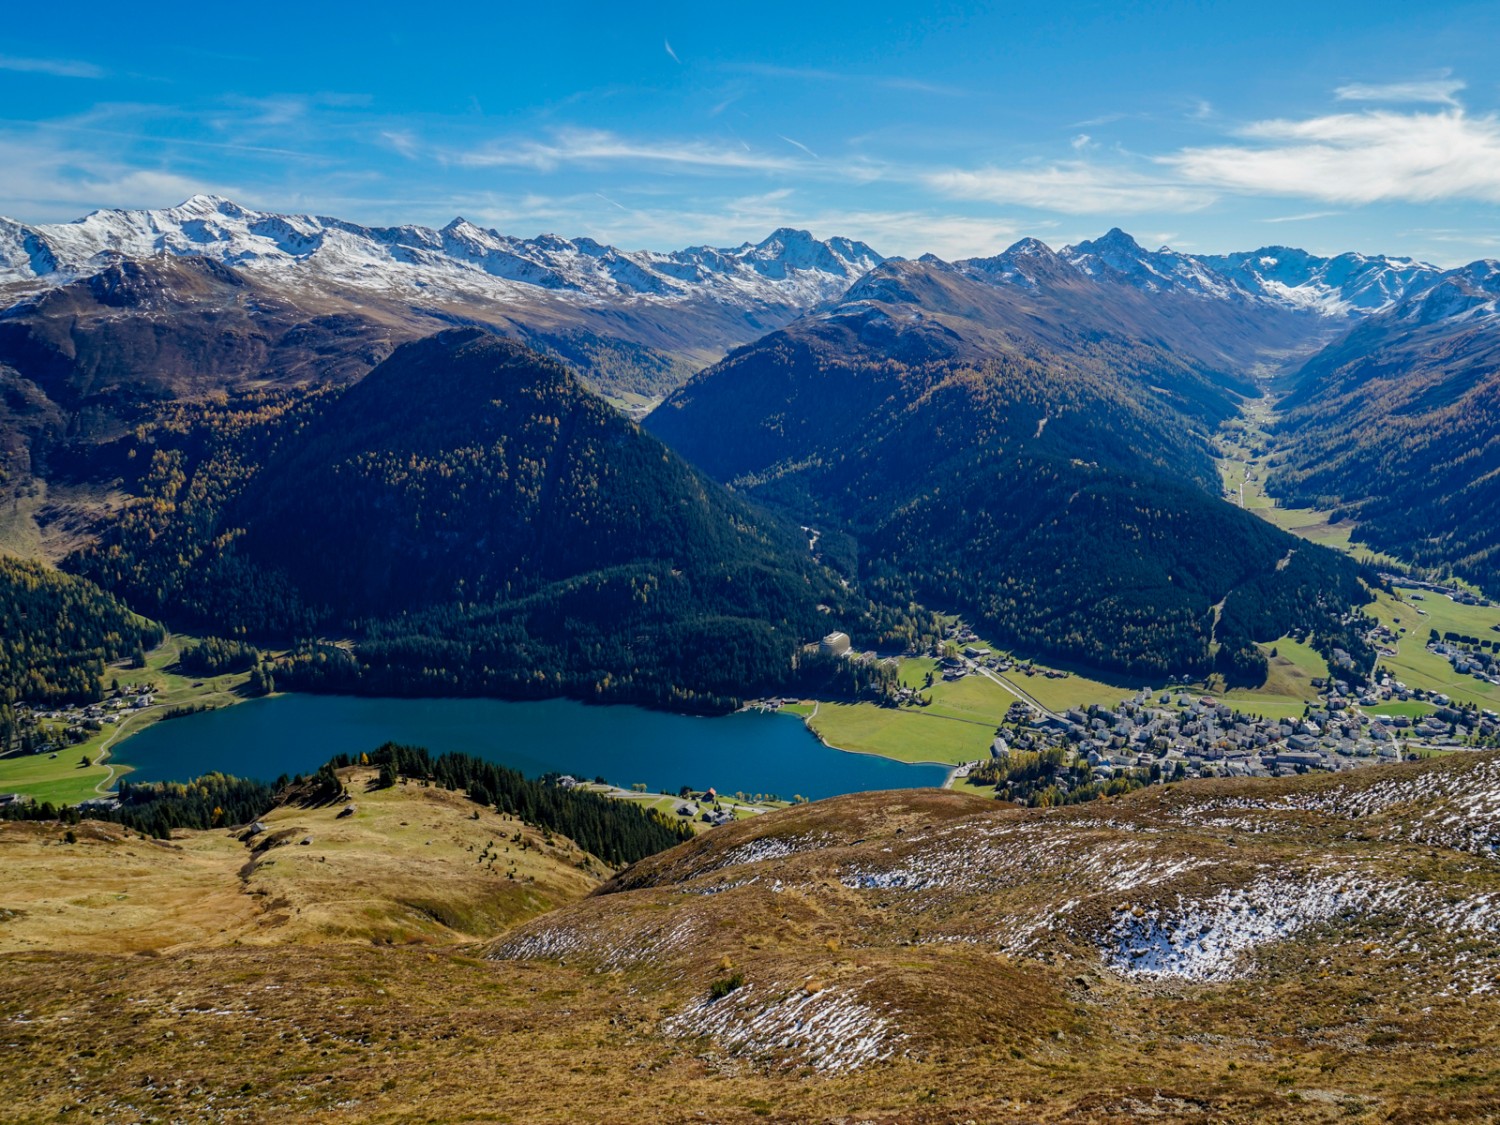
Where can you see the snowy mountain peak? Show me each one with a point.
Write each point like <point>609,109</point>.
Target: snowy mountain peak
<point>209,204</point>
<point>1349,284</point>
<point>788,269</point>
<point>789,248</point>
<point>1116,256</point>
<point>1027,263</point>
<point>1113,240</point>
<point>1031,248</point>
<point>1469,293</point>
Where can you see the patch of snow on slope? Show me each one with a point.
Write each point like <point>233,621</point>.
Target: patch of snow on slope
<point>829,1030</point>
<point>1211,939</point>
<point>1464,812</point>
<point>766,848</point>
<point>604,950</point>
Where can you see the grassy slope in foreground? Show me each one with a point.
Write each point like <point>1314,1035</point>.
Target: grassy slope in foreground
<point>897,925</point>
<point>411,864</point>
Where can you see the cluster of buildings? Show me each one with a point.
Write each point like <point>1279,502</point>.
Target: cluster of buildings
<point>40,730</point>
<point>1176,735</point>
<point>1469,660</point>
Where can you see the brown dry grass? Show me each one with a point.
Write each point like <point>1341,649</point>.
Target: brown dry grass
<point>313,1016</point>
<point>406,866</point>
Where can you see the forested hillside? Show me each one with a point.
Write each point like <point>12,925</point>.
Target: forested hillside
<point>1398,427</point>
<point>481,524</point>
<point>57,633</point>
<point>1056,484</point>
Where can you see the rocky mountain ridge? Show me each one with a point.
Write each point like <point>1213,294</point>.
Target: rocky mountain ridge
<point>789,267</point>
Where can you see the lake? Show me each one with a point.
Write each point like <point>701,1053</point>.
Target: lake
<point>749,751</point>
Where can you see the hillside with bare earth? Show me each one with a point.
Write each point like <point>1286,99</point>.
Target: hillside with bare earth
<point>1311,949</point>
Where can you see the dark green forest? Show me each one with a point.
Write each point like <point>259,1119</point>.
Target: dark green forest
<point>213,656</point>
<point>57,633</point>
<point>1398,427</point>
<point>480,524</point>
<point>1067,502</point>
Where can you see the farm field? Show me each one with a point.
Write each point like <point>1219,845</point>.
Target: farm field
<point>906,734</point>
<point>1288,688</point>
<point>1414,665</point>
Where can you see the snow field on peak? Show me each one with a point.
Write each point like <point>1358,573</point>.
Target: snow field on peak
<point>789,269</point>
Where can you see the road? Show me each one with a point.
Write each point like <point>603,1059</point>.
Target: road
<point>1020,693</point>
<point>102,758</point>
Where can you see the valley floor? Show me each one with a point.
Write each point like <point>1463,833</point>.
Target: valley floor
<point>958,724</point>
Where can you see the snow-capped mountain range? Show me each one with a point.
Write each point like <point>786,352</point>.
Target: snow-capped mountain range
<point>789,268</point>
<point>1468,294</point>
<point>1349,285</point>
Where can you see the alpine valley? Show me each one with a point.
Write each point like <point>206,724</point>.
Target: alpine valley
<point>945,511</point>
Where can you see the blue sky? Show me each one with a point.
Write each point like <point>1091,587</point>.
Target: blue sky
<point>948,128</point>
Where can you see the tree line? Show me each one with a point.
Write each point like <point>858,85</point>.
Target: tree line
<point>616,831</point>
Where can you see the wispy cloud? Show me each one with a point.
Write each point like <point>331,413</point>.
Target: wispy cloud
<point>667,43</point>
<point>276,111</point>
<point>402,141</point>
<point>1072,187</point>
<point>595,146</point>
<point>818,74</point>
<point>1356,158</point>
<point>1306,216</point>
<point>799,144</point>
<point>58,68</point>
<point>1438,91</point>
<point>48,181</point>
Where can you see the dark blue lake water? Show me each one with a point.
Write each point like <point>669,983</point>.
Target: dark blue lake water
<point>746,752</point>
